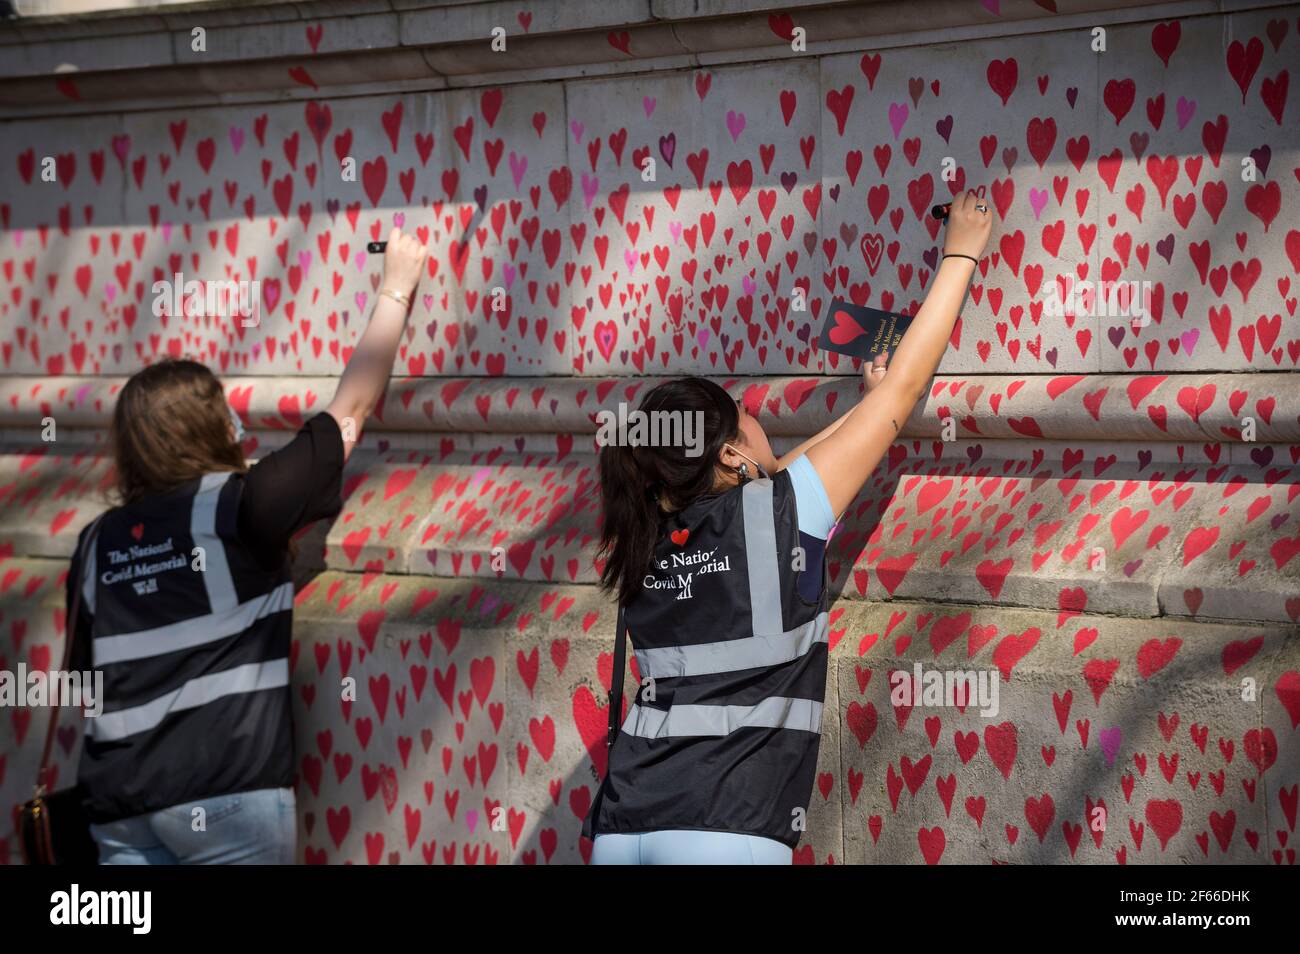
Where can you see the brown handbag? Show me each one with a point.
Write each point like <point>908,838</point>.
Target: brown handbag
<point>54,827</point>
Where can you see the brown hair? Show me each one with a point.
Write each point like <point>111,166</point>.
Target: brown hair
<point>171,425</point>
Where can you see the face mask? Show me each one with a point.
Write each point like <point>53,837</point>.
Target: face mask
<point>236,423</point>
<point>761,471</point>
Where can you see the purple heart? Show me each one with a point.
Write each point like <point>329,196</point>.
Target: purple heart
<point>1278,520</point>
<point>332,207</point>
<point>1071,95</point>
<point>931,257</point>
<point>1165,248</point>
<point>1116,336</point>
<point>1144,459</point>
<point>1262,456</point>
<point>668,148</point>
<point>1262,156</point>
<point>1139,142</point>
<point>944,127</point>
<point>1051,357</point>
<point>480,196</point>
<point>975,452</point>
<point>788,179</point>
<point>1131,568</point>
<point>803,333</point>
<point>835,192</point>
<point>1110,740</point>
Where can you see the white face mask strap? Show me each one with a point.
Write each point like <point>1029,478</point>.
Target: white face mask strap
<point>236,423</point>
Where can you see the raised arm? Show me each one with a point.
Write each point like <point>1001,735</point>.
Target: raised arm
<point>365,377</point>
<point>846,458</point>
<point>874,376</point>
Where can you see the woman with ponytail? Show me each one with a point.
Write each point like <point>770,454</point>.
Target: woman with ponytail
<point>714,549</point>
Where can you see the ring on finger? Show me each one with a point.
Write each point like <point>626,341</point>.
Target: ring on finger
<point>981,208</point>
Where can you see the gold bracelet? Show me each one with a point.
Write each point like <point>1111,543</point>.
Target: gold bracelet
<point>398,297</point>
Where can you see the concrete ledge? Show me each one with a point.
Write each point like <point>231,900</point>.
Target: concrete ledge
<point>1218,408</point>
<point>290,48</point>
<point>1119,529</point>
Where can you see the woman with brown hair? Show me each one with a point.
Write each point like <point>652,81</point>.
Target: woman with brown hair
<point>187,604</point>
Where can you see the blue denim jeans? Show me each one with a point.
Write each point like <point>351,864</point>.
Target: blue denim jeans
<point>688,848</point>
<point>246,828</point>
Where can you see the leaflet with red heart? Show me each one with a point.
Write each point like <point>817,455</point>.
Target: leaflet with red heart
<point>860,331</point>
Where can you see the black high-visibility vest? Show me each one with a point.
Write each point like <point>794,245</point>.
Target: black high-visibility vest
<point>723,732</point>
<point>192,636</point>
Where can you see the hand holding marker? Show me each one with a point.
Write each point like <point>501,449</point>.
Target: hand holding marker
<point>940,212</point>
<point>870,334</point>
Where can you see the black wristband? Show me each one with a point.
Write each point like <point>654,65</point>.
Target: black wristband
<point>959,255</point>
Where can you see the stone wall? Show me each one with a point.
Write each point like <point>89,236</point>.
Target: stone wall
<point>1102,513</point>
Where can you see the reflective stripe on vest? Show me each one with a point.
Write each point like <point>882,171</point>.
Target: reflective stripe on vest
<point>254,677</point>
<point>761,557</point>
<point>189,633</point>
<point>774,712</point>
<point>203,528</point>
<point>732,655</point>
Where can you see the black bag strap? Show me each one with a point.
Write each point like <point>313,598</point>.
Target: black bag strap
<point>616,680</point>
<point>69,635</point>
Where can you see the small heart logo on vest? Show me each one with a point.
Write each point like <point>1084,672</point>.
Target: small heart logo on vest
<point>137,531</point>
<point>680,536</point>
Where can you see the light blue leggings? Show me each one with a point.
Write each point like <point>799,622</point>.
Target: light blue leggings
<point>688,848</point>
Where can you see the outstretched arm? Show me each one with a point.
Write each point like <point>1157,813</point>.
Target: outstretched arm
<point>365,378</point>
<point>874,375</point>
<point>846,458</point>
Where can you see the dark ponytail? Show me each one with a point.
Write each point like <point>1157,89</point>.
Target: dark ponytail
<point>632,478</point>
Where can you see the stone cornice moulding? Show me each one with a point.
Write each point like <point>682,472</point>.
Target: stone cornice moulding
<point>142,60</point>
<point>1063,407</point>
